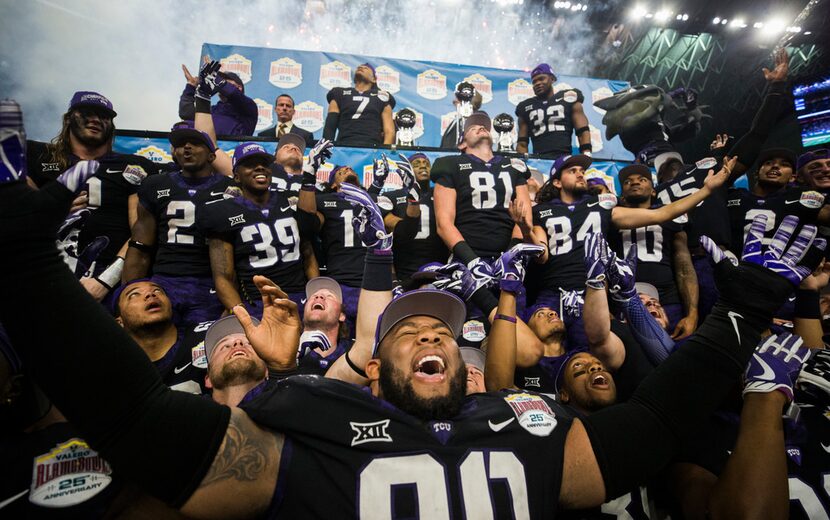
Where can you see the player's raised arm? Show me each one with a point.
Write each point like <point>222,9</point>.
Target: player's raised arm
<point>218,459</point>
<point>603,452</point>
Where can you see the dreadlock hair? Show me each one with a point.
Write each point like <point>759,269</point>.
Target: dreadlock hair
<point>60,148</point>
<point>548,191</point>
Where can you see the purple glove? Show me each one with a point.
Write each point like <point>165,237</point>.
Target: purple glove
<point>76,176</point>
<point>408,179</point>
<point>12,142</point>
<point>778,258</point>
<point>369,222</point>
<point>453,277</point>
<point>572,302</point>
<point>209,80</point>
<point>509,268</point>
<point>775,364</point>
<point>316,158</point>
<point>380,171</point>
<point>718,255</point>
<point>312,339</point>
<point>622,276</point>
<point>597,259</point>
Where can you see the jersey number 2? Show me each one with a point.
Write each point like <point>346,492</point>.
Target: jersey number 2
<point>548,120</point>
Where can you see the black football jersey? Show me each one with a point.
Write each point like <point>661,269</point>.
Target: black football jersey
<point>540,377</point>
<point>655,255</point>
<point>550,121</point>
<point>283,181</point>
<point>634,505</point>
<point>483,191</point>
<point>743,207</point>
<point>174,200</point>
<point>53,473</point>
<point>808,464</point>
<point>567,225</point>
<point>708,217</point>
<point>503,452</point>
<point>265,240</point>
<point>360,121</point>
<point>184,366</point>
<point>426,246</point>
<point>342,250</point>
<point>109,190</point>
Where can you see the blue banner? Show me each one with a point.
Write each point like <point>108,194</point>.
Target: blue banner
<point>423,86</point>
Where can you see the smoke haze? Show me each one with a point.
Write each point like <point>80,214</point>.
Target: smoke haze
<point>132,51</point>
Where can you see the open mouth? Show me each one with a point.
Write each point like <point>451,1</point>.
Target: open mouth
<point>430,368</point>
<point>318,307</point>
<point>153,306</point>
<point>599,380</point>
<point>237,353</point>
<point>261,177</point>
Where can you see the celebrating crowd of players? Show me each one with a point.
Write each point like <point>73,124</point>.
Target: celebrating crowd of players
<point>479,343</point>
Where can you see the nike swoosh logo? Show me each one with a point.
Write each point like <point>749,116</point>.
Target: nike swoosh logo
<point>286,208</point>
<point>826,448</point>
<point>113,171</point>
<point>212,291</point>
<point>768,374</point>
<point>497,427</point>
<point>732,315</point>
<point>178,370</point>
<point>790,201</point>
<point>216,193</point>
<point>9,500</point>
<point>592,204</point>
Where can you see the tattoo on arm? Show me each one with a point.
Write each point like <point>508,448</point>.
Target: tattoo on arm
<point>246,452</point>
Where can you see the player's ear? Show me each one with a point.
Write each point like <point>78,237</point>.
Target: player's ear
<point>211,157</point>
<point>119,321</point>
<point>557,183</point>
<point>373,369</point>
<point>564,397</point>
<point>208,384</point>
<point>342,317</point>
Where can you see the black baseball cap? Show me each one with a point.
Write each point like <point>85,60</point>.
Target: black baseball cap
<point>635,169</point>
<point>441,305</point>
<point>779,153</point>
<point>566,161</point>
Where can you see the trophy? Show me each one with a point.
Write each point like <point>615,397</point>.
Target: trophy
<point>503,125</point>
<point>405,121</point>
<point>464,93</point>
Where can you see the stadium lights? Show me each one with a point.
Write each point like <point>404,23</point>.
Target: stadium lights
<point>716,20</point>
<point>724,21</point>
<point>662,15</point>
<point>638,12</point>
<point>808,33</point>
<point>775,25</point>
<point>682,17</point>
<point>737,23</point>
<point>758,25</point>
<point>794,29</point>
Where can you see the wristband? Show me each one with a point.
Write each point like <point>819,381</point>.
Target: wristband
<point>524,140</point>
<point>807,305</point>
<point>359,371</point>
<point>582,130</point>
<point>462,251</point>
<point>308,187</point>
<point>377,273</point>
<point>144,248</point>
<point>587,147</point>
<point>110,276</point>
<point>511,319</point>
<point>279,375</point>
<point>202,105</point>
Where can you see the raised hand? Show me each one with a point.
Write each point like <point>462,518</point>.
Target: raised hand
<point>775,364</point>
<point>380,171</point>
<point>316,158</point>
<point>408,179</point>
<point>622,275</point>
<point>509,268</point>
<point>453,277</point>
<point>715,180</point>
<point>777,257</point>
<point>191,80</point>
<point>719,142</point>
<point>368,222</point>
<point>209,80</point>
<point>597,259</point>
<point>276,338</point>
<point>782,67</point>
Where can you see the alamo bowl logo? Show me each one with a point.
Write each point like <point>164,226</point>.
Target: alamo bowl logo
<point>308,115</point>
<point>559,87</point>
<point>388,79</point>
<point>483,85</point>
<point>335,74</point>
<point>238,64</point>
<point>265,114</point>
<point>432,84</point>
<point>155,154</point>
<point>519,90</point>
<point>285,73</point>
<point>599,94</point>
<point>69,474</point>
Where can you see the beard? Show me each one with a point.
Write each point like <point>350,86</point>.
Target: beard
<point>237,372</point>
<point>353,180</point>
<point>637,199</point>
<point>77,124</point>
<point>484,138</point>
<point>770,184</point>
<point>399,392</point>
<point>359,77</point>
<point>579,190</point>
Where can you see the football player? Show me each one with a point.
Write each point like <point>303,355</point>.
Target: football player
<point>288,165</point>
<point>473,192</point>
<point>814,169</point>
<point>109,198</point>
<point>165,239</point>
<point>370,457</point>
<point>325,333</point>
<point>412,219</point>
<point>360,115</point>
<point>663,258</point>
<point>254,233</point>
<point>549,118</point>
<point>566,213</point>
<point>235,114</point>
<point>145,311</point>
<point>235,373</point>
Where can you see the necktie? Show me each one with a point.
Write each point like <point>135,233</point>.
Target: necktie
<point>281,131</point>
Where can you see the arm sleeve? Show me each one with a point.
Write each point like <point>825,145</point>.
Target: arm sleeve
<point>749,146</point>
<point>114,397</point>
<point>330,128</point>
<point>655,341</point>
<point>187,111</point>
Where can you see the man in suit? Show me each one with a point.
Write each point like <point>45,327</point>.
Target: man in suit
<point>450,139</point>
<point>284,107</point>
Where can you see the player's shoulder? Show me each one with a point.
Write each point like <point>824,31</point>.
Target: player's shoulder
<point>569,95</point>
<point>449,164</point>
<point>804,196</point>
<point>385,96</point>
<point>397,197</point>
